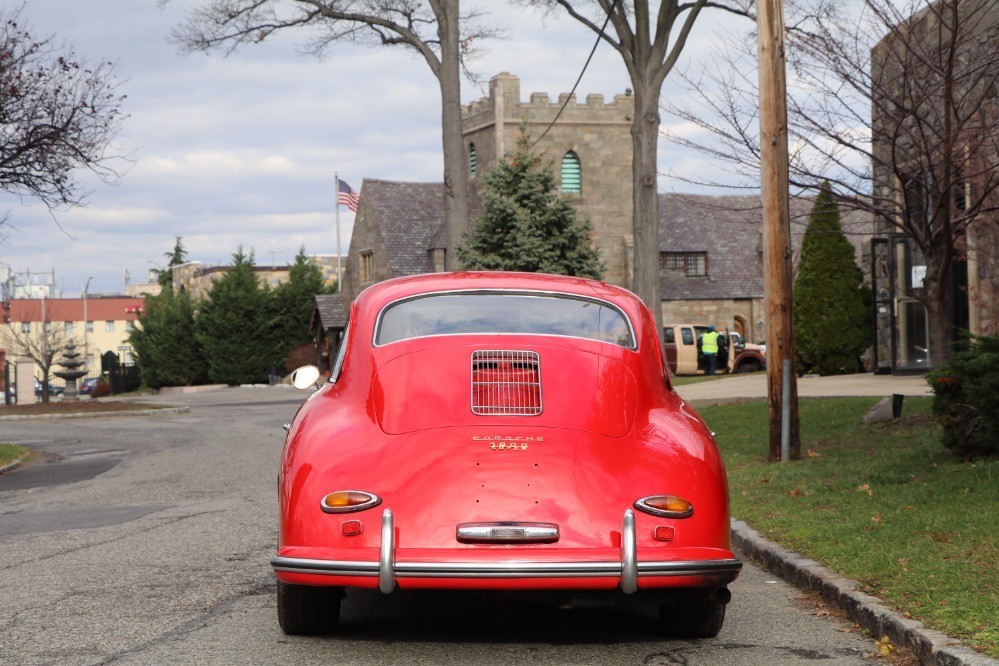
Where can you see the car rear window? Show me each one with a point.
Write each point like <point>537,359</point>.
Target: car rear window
<point>503,312</point>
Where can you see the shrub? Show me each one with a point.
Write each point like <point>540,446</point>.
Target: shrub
<point>831,321</point>
<point>966,398</point>
<point>102,389</point>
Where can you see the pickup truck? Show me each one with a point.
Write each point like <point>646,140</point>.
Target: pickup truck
<point>682,346</point>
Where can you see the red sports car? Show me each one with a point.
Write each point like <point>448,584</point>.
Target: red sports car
<point>501,431</point>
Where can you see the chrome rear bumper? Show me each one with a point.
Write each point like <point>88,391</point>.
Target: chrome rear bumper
<point>628,568</point>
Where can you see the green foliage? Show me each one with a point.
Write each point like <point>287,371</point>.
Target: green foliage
<point>526,225</point>
<point>831,321</point>
<point>175,258</point>
<point>166,349</point>
<point>966,398</point>
<point>292,305</point>
<point>882,503</point>
<point>234,327</point>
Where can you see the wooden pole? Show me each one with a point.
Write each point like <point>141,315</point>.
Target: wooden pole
<point>777,300</point>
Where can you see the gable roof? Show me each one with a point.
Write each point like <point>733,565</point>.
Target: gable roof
<point>330,310</point>
<point>409,216</point>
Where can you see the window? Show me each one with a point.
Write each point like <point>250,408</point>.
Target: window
<point>129,325</point>
<point>503,312</point>
<point>109,327</point>
<point>686,264</point>
<point>471,159</point>
<point>341,352</point>
<point>90,327</point>
<point>68,327</point>
<point>367,266</point>
<point>572,177</point>
<point>688,336</point>
<point>47,327</point>
<point>25,327</point>
<point>669,335</point>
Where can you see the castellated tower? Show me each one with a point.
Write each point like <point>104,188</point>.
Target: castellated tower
<point>589,148</point>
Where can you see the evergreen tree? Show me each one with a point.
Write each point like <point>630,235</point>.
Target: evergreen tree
<point>166,349</point>
<point>831,320</point>
<point>233,326</point>
<point>526,225</point>
<point>293,302</point>
<point>175,258</point>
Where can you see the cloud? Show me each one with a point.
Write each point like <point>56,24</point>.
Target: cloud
<point>241,150</point>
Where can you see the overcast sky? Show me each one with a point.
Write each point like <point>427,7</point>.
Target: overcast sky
<point>242,150</point>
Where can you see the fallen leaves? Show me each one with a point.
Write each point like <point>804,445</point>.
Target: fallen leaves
<point>866,488</point>
<point>884,646</point>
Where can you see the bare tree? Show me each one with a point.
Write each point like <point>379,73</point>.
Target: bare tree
<point>649,42</point>
<point>57,115</point>
<point>41,342</point>
<point>432,29</point>
<point>895,104</point>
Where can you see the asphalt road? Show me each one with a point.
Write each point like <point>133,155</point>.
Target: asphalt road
<point>146,540</point>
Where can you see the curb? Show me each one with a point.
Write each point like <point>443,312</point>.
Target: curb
<point>14,465</point>
<point>94,415</point>
<point>932,647</point>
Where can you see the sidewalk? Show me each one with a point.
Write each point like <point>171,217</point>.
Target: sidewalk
<point>754,385</point>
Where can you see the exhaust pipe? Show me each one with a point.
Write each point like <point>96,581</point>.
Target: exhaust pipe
<point>722,595</point>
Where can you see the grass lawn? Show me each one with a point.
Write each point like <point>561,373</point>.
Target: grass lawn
<point>9,453</point>
<point>884,504</point>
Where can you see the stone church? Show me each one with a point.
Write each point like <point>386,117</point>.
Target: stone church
<point>710,247</point>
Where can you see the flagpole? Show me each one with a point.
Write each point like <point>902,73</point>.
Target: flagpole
<point>336,205</point>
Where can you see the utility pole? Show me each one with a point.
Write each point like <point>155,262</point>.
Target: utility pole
<point>785,438</point>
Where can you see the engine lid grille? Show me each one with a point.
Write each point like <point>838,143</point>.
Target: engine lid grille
<point>506,383</point>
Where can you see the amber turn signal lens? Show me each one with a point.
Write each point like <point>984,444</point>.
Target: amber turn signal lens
<point>667,506</point>
<point>344,501</point>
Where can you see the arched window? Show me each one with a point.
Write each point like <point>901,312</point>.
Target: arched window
<point>471,159</point>
<point>572,177</point>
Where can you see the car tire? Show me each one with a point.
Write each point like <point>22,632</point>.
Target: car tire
<point>748,366</point>
<point>697,614</point>
<point>304,610</point>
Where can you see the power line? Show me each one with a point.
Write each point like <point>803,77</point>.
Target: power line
<point>580,78</point>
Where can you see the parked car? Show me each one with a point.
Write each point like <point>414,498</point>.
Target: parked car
<point>88,385</point>
<point>501,432</point>
<point>682,346</point>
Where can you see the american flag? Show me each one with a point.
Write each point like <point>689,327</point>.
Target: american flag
<point>346,196</point>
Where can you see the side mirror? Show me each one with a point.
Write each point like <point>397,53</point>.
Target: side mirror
<point>305,377</point>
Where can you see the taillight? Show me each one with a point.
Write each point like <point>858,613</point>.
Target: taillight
<point>666,506</point>
<point>345,501</point>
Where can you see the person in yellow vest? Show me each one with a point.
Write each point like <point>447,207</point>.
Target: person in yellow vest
<point>709,347</point>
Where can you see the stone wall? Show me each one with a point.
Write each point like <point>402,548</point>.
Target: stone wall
<point>599,132</point>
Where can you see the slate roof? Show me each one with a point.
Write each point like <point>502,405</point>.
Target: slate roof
<point>411,220</point>
<point>730,229</point>
<point>331,310</point>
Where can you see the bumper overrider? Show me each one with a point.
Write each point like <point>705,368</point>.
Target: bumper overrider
<point>628,569</point>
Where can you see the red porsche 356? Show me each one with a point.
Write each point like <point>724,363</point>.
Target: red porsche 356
<point>501,431</point>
